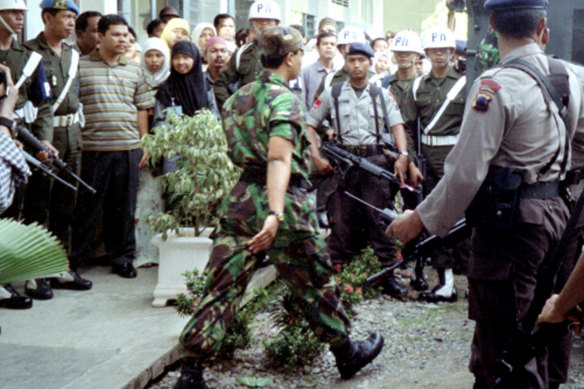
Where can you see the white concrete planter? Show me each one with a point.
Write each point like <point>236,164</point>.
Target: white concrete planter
<point>177,254</point>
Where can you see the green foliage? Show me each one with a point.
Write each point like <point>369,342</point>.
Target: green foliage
<point>352,278</point>
<point>296,345</point>
<point>187,302</point>
<point>28,252</point>
<point>205,173</point>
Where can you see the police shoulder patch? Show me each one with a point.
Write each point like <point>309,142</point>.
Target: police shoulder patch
<point>487,90</point>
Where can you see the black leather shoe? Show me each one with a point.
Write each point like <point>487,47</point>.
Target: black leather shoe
<point>392,288</point>
<point>191,375</point>
<point>11,299</point>
<point>353,356</point>
<point>433,297</point>
<point>418,281</point>
<point>38,289</point>
<point>125,270</point>
<point>71,280</point>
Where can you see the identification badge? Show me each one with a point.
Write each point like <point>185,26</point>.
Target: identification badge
<point>54,80</point>
<point>177,109</point>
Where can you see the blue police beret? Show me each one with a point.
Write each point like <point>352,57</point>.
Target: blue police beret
<point>359,48</point>
<point>60,4</point>
<point>515,4</point>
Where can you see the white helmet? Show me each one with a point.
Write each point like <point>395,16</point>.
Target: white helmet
<point>439,38</point>
<point>407,41</point>
<point>351,34</point>
<point>12,4</point>
<point>264,9</point>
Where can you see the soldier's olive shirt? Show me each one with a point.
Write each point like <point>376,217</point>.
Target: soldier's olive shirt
<point>256,112</point>
<point>430,96</point>
<point>506,124</point>
<point>249,67</point>
<point>356,114</point>
<point>57,71</point>
<point>34,89</point>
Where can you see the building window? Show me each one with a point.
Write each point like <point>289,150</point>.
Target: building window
<point>344,3</point>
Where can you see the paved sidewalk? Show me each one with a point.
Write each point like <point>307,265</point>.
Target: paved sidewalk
<point>109,337</point>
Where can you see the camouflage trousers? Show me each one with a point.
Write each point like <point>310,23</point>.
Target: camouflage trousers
<point>304,267</point>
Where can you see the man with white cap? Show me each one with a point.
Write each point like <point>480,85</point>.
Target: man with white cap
<point>437,100</point>
<point>245,64</point>
<point>33,107</point>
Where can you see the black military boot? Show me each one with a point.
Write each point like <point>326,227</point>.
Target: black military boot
<point>445,291</point>
<point>418,280</point>
<point>191,374</point>
<point>38,289</point>
<point>392,288</point>
<point>353,356</point>
<point>11,299</point>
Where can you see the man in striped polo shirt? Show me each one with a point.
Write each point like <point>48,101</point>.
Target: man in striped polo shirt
<point>113,93</point>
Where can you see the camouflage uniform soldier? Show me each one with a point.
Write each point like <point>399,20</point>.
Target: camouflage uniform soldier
<point>244,65</point>
<point>268,211</point>
<point>61,63</point>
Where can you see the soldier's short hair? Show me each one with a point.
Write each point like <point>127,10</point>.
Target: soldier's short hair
<point>518,23</point>
<point>82,20</point>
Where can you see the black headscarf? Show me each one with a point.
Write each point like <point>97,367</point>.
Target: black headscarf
<point>188,90</point>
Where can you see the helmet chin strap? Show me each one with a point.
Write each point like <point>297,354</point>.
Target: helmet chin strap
<point>7,26</point>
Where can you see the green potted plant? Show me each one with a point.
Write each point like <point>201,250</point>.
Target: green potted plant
<point>204,176</point>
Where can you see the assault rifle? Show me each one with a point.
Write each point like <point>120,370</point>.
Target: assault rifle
<point>32,161</point>
<point>419,248</point>
<point>345,160</point>
<point>23,134</point>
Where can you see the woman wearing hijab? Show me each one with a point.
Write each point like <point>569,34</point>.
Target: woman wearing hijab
<point>184,91</point>
<point>176,30</point>
<point>155,63</point>
<point>201,34</point>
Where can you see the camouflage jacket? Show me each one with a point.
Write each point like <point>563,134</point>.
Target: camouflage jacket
<point>256,112</point>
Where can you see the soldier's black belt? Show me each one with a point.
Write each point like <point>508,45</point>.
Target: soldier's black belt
<point>540,190</point>
<point>363,150</point>
<point>257,176</point>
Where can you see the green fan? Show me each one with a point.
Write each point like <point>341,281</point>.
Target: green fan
<point>28,252</point>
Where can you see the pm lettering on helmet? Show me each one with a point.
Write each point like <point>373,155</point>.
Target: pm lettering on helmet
<point>438,37</point>
<point>262,6</point>
<point>401,41</point>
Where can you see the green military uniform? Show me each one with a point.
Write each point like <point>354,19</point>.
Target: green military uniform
<point>66,139</point>
<point>430,96</point>
<point>255,113</point>
<point>34,90</point>
<point>250,66</point>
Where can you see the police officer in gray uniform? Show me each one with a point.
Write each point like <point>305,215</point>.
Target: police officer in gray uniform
<point>359,130</point>
<point>511,133</point>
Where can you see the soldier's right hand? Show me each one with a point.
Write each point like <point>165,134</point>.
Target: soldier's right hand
<point>43,156</point>
<point>330,134</point>
<point>322,164</point>
<point>414,174</point>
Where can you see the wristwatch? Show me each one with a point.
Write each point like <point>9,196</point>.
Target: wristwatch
<point>10,124</point>
<point>404,153</point>
<point>279,215</point>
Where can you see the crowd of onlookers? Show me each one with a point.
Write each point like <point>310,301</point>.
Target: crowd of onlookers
<point>125,88</point>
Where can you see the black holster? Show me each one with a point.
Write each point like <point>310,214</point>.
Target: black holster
<point>496,204</point>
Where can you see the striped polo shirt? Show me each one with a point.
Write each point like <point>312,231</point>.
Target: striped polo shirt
<point>111,97</point>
